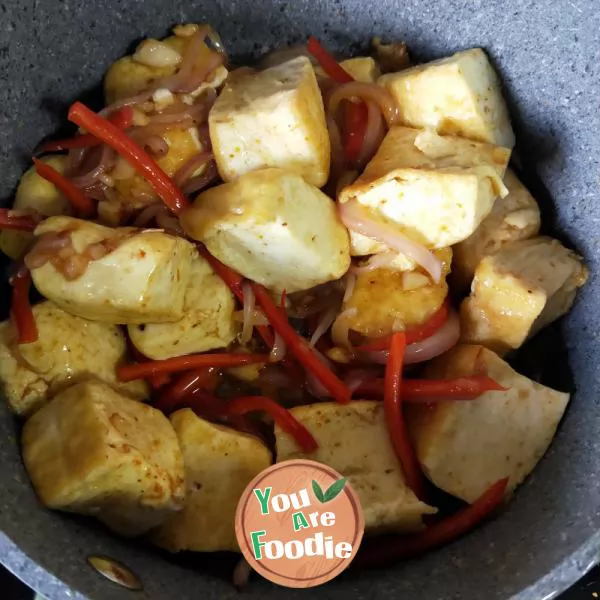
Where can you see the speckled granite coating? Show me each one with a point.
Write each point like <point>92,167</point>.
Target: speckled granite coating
<point>52,52</point>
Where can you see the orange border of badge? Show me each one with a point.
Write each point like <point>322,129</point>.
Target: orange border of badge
<point>244,539</point>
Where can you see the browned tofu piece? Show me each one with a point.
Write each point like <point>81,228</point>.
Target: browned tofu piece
<point>69,349</point>
<point>513,218</point>
<point>518,291</point>
<point>385,300</point>
<point>353,439</point>
<point>219,463</point>
<point>96,452</point>
<point>465,447</point>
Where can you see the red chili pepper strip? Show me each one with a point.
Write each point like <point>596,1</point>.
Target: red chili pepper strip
<point>156,381</point>
<point>299,347</point>
<point>132,152</point>
<point>331,66</point>
<point>416,334</point>
<point>212,408</point>
<point>185,363</point>
<point>18,223</point>
<point>234,282</point>
<point>384,551</point>
<point>434,390</point>
<point>282,416</point>
<point>21,311</point>
<point>83,205</point>
<point>205,404</point>
<point>392,402</point>
<point>188,383</point>
<point>159,380</point>
<point>122,118</point>
<point>356,112</point>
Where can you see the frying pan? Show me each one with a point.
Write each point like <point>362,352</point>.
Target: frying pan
<point>54,51</point>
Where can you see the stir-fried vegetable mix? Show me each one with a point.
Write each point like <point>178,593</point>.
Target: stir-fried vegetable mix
<point>303,257</point>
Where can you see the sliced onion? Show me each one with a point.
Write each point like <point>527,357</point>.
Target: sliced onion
<point>191,73</point>
<point>350,285</point>
<point>102,159</point>
<point>340,332</point>
<point>75,157</point>
<point>191,166</point>
<point>195,184</point>
<point>249,304</point>
<point>97,191</point>
<point>165,220</point>
<point>370,92</point>
<point>148,214</point>
<point>314,386</point>
<point>325,321</point>
<point>377,261</point>
<point>279,349</point>
<point>258,318</point>
<point>45,247</point>
<point>374,134</point>
<point>180,112</point>
<point>156,145</point>
<point>188,61</point>
<point>441,341</point>
<point>130,101</point>
<point>357,377</point>
<point>356,219</point>
<point>204,137</point>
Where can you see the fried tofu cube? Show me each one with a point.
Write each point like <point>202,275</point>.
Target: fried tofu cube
<point>515,217</point>
<point>435,190</point>
<point>219,463</point>
<point>272,118</point>
<point>207,323</point>
<point>388,300</point>
<point>96,452</point>
<point>465,447</point>
<point>272,227</point>
<point>183,144</point>
<point>68,350</point>
<point>459,95</point>
<point>353,439</point>
<point>34,192</point>
<point>130,76</point>
<point>143,279</point>
<point>361,68</point>
<point>518,291</point>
